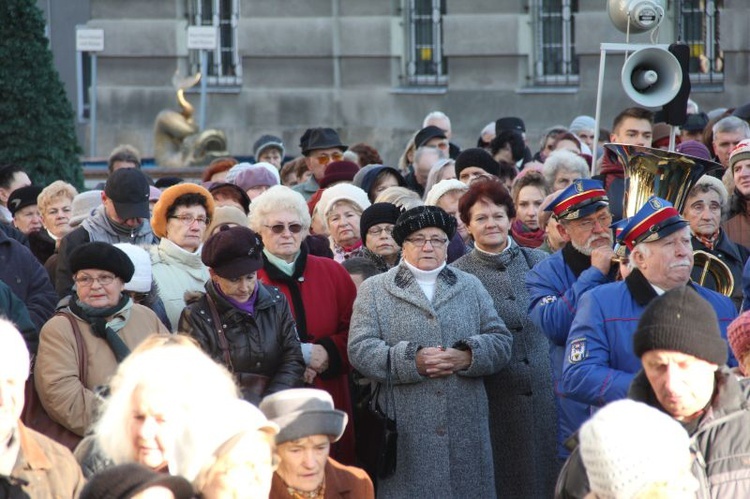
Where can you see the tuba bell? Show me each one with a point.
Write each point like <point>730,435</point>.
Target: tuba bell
<point>671,176</point>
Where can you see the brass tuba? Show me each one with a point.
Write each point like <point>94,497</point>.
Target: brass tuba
<point>671,176</point>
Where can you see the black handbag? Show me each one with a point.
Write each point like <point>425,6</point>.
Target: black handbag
<point>378,438</point>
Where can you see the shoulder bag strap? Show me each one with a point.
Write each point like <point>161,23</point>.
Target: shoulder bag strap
<point>80,346</point>
<point>223,343</point>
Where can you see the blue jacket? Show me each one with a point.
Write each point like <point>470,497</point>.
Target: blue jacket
<point>555,285</point>
<point>599,361</point>
<point>28,280</point>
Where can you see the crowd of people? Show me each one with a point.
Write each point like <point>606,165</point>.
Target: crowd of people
<point>530,335</point>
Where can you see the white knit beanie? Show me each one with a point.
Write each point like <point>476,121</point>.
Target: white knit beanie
<point>628,446</point>
<point>582,122</point>
<point>141,281</point>
<point>441,188</point>
<point>344,191</point>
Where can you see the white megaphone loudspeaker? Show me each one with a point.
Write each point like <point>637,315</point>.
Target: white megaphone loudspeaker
<point>651,76</point>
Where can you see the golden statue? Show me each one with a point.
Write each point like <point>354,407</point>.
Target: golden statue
<point>177,140</point>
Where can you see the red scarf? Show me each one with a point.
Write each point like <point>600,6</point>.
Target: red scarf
<point>709,241</point>
<point>525,236</point>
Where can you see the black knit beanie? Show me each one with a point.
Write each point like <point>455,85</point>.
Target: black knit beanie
<point>681,320</point>
<point>479,158</point>
<point>126,480</point>
<point>102,256</point>
<point>378,213</point>
<point>421,217</point>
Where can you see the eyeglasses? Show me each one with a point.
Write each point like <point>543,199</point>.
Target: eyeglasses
<point>604,221</point>
<point>375,231</point>
<point>420,241</point>
<point>87,280</point>
<point>294,228</point>
<point>324,159</point>
<point>189,219</point>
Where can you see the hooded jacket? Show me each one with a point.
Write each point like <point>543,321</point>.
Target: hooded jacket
<point>97,227</point>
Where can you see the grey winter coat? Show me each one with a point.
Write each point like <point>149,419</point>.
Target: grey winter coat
<point>443,431</point>
<point>523,413</point>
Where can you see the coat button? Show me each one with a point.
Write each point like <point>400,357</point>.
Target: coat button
<point>439,393</point>
<point>257,364</point>
<point>440,431</point>
<point>512,298</point>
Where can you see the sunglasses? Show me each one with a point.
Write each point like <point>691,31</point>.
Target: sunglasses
<point>324,159</point>
<point>280,228</point>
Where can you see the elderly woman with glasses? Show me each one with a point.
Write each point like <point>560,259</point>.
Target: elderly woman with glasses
<point>257,339</point>
<point>320,293</point>
<point>376,226</point>
<point>180,219</point>
<point>104,321</point>
<point>432,329</point>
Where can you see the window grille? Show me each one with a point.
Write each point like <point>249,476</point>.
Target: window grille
<point>224,63</point>
<point>426,64</point>
<point>555,60</point>
<point>698,26</point>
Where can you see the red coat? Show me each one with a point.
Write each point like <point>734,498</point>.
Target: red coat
<point>321,295</point>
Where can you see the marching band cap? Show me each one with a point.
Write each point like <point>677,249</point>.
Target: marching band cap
<point>656,219</point>
<point>581,198</point>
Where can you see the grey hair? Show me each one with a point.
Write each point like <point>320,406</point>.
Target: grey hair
<point>563,159</point>
<point>708,183</point>
<point>402,197</point>
<point>435,172</point>
<point>645,250</point>
<point>278,198</point>
<point>435,115</point>
<point>732,124</point>
<point>180,375</point>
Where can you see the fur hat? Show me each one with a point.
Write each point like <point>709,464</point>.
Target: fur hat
<point>167,199</point>
<point>142,277</point>
<point>84,205</point>
<point>341,192</point>
<point>442,187</point>
<point>479,158</point>
<point>682,321</point>
<point>628,446</point>
<point>302,412</point>
<point>378,213</point>
<point>233,252</point>
<point>102,256</point>
<point>421,217</point>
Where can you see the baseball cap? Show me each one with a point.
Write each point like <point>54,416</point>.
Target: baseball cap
<point>129,191</point>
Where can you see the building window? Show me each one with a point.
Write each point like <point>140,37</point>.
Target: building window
<point>425,64</point>
<point>83,80</point>
<point>698,26</point>
<point>224,63</point>
<point>555,60</point>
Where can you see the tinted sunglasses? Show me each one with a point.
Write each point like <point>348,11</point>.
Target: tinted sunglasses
<point>280,228</point>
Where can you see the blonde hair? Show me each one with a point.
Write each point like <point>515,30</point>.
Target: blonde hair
<point>185,379</point>
<point>54,191</point>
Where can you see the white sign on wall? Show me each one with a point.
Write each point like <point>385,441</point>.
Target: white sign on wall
<point>89,40</point>
<point>202,37</point>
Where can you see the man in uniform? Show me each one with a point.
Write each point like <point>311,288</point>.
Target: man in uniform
<point>600,362</point>
<point>556,284</point>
